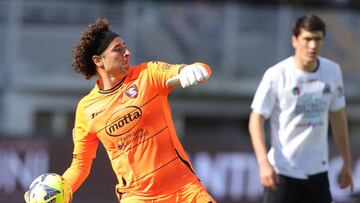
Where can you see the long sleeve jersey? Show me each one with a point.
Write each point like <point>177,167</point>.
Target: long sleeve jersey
<point>133,122</point>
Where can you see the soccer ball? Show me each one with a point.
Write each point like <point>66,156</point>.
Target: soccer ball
<point>49,188</point>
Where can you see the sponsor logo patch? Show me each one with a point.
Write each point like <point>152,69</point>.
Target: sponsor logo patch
<point>93,115</point>
<point>123,121</point>
<point>327,89</point>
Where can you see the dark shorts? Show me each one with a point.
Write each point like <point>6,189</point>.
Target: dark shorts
<point>315,189</point>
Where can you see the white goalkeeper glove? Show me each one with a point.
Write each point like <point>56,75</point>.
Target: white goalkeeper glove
<point>192,75</point>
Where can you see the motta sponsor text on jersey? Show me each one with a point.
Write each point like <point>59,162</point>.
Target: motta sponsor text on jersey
<point>123,121</point>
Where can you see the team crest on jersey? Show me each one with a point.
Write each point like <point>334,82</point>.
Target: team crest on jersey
<point>132,91</point>
<point>296,91</point>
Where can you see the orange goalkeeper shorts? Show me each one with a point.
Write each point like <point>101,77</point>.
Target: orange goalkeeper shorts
<point>190,193</point>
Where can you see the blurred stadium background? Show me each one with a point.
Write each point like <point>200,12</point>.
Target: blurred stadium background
<point>239,39</point>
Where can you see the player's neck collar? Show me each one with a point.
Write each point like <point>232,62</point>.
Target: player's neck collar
<point>317,66</point>
<point>116,87</point>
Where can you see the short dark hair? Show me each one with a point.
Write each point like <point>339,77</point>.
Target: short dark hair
<point>85,49</point>
<point>310,23</point>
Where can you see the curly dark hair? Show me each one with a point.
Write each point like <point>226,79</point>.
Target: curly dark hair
<point>85,48</point>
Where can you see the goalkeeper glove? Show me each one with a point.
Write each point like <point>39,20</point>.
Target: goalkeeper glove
<point>192,75</point>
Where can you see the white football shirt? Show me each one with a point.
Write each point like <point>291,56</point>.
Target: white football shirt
<point>298,104</point>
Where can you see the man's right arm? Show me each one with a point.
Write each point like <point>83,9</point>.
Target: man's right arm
<point>268,177</point>
<point>85,147</point>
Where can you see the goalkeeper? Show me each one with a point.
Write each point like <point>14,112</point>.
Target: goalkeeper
<point>128,112</point>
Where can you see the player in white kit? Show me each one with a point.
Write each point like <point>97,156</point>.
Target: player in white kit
<point>300,95</point>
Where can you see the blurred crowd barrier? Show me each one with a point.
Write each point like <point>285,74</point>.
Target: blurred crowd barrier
<point>230,174</point>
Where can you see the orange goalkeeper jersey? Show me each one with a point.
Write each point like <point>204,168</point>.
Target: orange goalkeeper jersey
<point>133,122</point>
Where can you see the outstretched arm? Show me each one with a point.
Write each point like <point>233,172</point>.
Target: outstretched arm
<point>268,177</point>
<point>339,126</point>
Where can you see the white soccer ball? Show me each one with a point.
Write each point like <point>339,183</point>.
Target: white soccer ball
<point>49,188</point>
